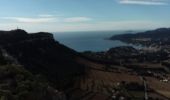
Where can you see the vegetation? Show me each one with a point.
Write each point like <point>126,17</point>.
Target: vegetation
<point>36,67</point>
<point>18,84</point>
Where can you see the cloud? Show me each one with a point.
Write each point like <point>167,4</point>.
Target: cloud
<point>77,19</point>
<point>93,26</point>
<point>144,2</point>
<point>31,20</point>
<point>45,23</point>
<point>46,15</point>
<point>102,26</point>
<point>47,19</point>
<point>50,15</point>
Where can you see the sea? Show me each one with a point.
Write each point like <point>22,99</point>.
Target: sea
<point>90,41</point>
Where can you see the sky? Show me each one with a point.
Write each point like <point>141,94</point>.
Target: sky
<point>83,15</point>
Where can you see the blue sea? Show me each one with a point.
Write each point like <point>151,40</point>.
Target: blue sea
<point>90,41</point>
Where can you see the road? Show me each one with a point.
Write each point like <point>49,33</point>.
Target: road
<point>145,87</point>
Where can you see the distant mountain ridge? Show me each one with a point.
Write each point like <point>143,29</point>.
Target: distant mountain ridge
<point>162,34</point>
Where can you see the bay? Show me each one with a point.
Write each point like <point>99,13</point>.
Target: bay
<point>90,41</point>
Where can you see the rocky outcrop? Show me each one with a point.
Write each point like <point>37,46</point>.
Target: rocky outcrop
<point>39,53</point>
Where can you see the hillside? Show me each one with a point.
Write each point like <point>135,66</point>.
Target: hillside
<point>17,83</point>
<point>152,36</point>
<point>33,66</point>
<point>40,53</point>
<point>28,57</point>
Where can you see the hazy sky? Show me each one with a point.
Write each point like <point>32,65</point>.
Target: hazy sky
<point>84,15</point>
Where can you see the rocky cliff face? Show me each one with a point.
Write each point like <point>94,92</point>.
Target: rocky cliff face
<point>40,54</point>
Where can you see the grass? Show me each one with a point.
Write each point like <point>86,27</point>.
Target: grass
<point>137,94</point>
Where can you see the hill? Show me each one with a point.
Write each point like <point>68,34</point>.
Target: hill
<point>153,36</point>
<point>24,56</point>
<point>40,53</point>
<point>33,66</point>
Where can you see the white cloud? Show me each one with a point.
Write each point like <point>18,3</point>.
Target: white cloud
<point>46,15</point>
<point>44,23</point>
<point>93,26</point>
<point>50,15</point>
<point>102,26</point>
<point>55,24</point>
<point>144,2</point>
<point>77,19</point>
<point>31,20</point>
<point>46,19</point>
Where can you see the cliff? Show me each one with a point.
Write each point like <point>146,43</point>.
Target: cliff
<point>37,54</point>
